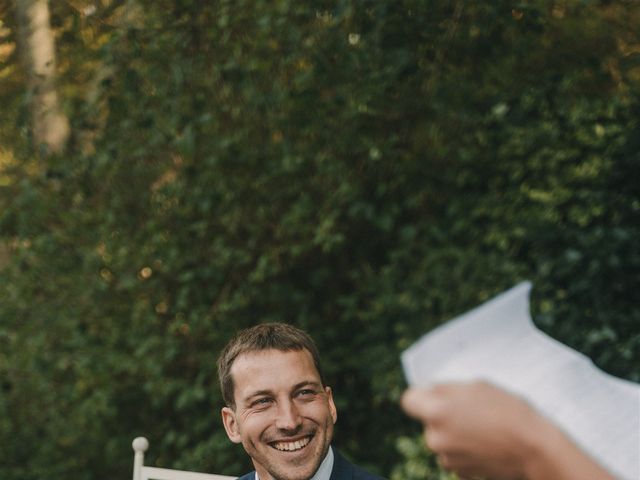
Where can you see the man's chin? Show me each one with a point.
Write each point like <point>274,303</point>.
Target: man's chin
<point>290,470</point>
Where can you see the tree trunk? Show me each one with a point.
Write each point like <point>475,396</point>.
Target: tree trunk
<point>50,126</point>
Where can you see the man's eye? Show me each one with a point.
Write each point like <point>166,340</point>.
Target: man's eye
<point>260,402</point>
<point>306,392</point>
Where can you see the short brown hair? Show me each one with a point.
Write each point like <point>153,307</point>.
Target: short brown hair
<point>266,336</point>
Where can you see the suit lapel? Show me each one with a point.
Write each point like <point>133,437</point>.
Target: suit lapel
<point>341,468</point>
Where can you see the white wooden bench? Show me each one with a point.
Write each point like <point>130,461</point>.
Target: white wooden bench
<point>142,472</point>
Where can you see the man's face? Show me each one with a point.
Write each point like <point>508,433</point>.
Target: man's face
<point>283,416</point>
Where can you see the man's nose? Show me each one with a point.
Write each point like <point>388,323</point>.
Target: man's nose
<point>288,416</point>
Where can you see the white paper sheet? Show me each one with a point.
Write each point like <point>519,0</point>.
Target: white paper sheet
<point>498,342</point>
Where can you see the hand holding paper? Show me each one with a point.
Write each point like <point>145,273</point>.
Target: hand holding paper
<point>498,343</point>
<point>480,431</point>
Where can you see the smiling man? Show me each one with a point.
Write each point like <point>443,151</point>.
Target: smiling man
<point>279,407</point>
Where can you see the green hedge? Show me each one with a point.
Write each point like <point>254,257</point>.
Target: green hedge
<point>364,170</point>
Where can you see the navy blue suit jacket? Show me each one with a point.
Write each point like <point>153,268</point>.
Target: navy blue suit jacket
<point>342,470</point>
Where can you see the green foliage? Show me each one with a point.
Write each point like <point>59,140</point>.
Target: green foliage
<point>417,462</point>
<point>365,170</point>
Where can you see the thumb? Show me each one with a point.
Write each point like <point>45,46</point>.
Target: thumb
<point>415,402</point>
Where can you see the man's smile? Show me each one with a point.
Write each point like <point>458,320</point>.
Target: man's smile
<point>292,446</point>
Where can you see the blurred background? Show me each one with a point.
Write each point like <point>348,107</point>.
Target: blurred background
<point>174,170</point>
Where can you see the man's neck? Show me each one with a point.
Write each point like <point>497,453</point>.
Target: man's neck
<point>324,470</point>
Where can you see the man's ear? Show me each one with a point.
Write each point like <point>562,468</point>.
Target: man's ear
<point>231,425</point>
<point>332,406</point>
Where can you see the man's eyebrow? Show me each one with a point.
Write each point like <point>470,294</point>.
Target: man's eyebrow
<point>258,393</point>
<point>307,383</point>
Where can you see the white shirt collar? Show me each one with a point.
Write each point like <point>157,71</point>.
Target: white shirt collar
<point>324,470</point>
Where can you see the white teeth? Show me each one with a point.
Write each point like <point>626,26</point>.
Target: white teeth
<point>291,446</point>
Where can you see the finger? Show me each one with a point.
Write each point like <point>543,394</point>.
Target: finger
<point>417,403</point>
